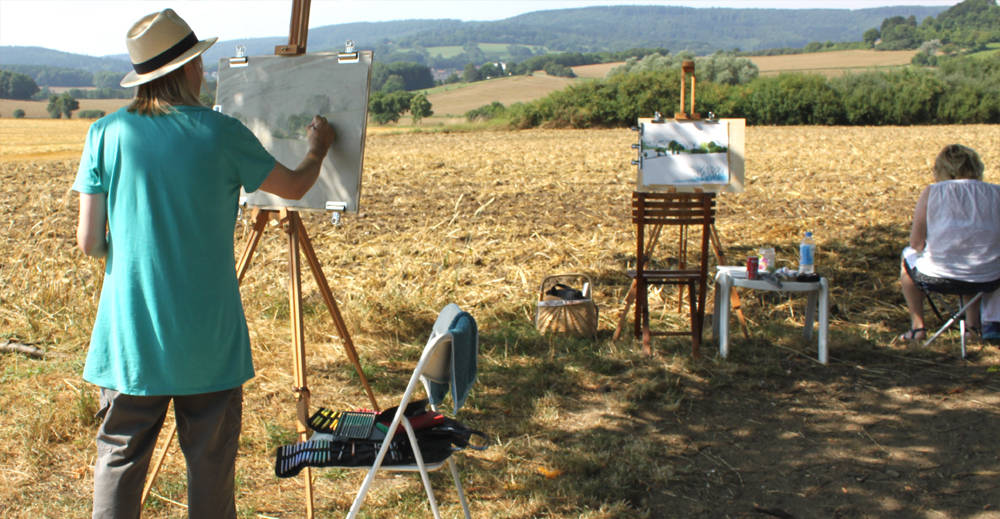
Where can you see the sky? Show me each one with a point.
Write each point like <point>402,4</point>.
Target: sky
<point>98,27</point>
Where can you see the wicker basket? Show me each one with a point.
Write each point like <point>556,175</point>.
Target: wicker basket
<point>573,316</point>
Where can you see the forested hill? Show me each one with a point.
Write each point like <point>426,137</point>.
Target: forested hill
<point>700,30</point>
<point>577,30</point>
<point>367,35</point>
<point>40,56</point>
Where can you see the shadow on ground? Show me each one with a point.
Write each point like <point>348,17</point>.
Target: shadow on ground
<point>884,430</point>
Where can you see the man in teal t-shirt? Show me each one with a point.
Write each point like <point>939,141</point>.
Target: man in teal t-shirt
<point>159,183</point>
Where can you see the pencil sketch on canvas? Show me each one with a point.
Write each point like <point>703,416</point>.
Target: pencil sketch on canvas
<point>277,96</point>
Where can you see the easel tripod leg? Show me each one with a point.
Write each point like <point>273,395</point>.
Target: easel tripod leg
<point>331,305</point>
<point>298,338</point>
<point>260,222</point>
<point>157,464</point>
<point>623,317</point>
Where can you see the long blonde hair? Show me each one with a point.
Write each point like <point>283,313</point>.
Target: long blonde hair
<point>159,96</point>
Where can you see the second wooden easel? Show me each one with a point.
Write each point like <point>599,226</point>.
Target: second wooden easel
<point>687,68</point>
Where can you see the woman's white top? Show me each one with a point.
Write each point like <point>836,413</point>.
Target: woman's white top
<point>963,231</point>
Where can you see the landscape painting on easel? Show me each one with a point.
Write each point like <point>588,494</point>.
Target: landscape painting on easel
<point>706,155</point>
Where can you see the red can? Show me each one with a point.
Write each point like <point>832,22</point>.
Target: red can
<point>752,267</point>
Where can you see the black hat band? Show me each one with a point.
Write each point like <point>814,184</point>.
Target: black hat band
<point>166,56</point>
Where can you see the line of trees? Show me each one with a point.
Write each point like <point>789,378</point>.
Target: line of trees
<point>388,107</point>
<point>22,82</point>
<point>54,76</point>
<point>960,90</point>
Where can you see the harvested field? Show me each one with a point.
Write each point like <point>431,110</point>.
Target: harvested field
<point>596,71</point>
<point>578,428</point>
<point>35,139</point>
<point>834,63</point>
<point>507,90</point>
<point>37,109</point>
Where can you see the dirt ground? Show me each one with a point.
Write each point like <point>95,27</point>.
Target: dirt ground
<point>579,428</point>
<point>875,434</point>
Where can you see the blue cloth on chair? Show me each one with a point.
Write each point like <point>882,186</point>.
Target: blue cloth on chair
<point>464,353</point>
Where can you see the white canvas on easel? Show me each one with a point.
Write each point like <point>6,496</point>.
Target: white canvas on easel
<point>277,96</point>
<point>691,155</point>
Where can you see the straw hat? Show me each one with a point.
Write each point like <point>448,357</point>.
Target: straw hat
<point>158,44</point>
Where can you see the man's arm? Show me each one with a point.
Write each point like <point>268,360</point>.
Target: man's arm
<point>90,230</point>
<point>293,184</point>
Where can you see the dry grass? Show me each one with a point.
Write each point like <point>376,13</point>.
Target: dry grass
<point>833,63</point>
<point>479,219</point>
<point>36,139</point>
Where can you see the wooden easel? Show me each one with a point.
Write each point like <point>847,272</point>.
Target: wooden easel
<point>687,68</point>
<point>297,238</point>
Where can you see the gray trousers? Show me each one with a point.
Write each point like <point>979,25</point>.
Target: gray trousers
<point>208,429</point>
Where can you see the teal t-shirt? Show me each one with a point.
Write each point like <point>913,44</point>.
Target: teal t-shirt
<point>170,320</point>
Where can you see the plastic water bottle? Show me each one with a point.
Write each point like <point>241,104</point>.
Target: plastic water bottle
<point>807,254</point>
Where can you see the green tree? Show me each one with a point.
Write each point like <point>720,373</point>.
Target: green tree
<point>388,107</point>
<point>420,107</point>
<point>19,114</point>
<point>490,70</point>
<point>14,85</point>
<point>62,104</point>
<point>470,73</point>
<point>899,33</point>
<point>555,69</point>
<point>871,36</point>
<point>726,69</point>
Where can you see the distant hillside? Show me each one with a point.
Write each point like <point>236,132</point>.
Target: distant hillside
<point>39,56</point>
<point>586,29</point>
<point>367,35</point>
<point>591,29</point>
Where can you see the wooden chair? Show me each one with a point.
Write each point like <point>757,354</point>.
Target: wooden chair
<point>650,212</point>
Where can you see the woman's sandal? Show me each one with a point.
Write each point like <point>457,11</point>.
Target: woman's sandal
<point>911,335</point>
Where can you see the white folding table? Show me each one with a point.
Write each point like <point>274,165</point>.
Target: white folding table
<point>729,277</point>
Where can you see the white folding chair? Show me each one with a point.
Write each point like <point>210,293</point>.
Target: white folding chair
<point>436,368</point>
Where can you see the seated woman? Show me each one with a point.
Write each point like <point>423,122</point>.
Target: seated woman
<point>955,238</point>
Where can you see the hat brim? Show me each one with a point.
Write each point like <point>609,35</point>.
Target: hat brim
<point>133,79</point>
